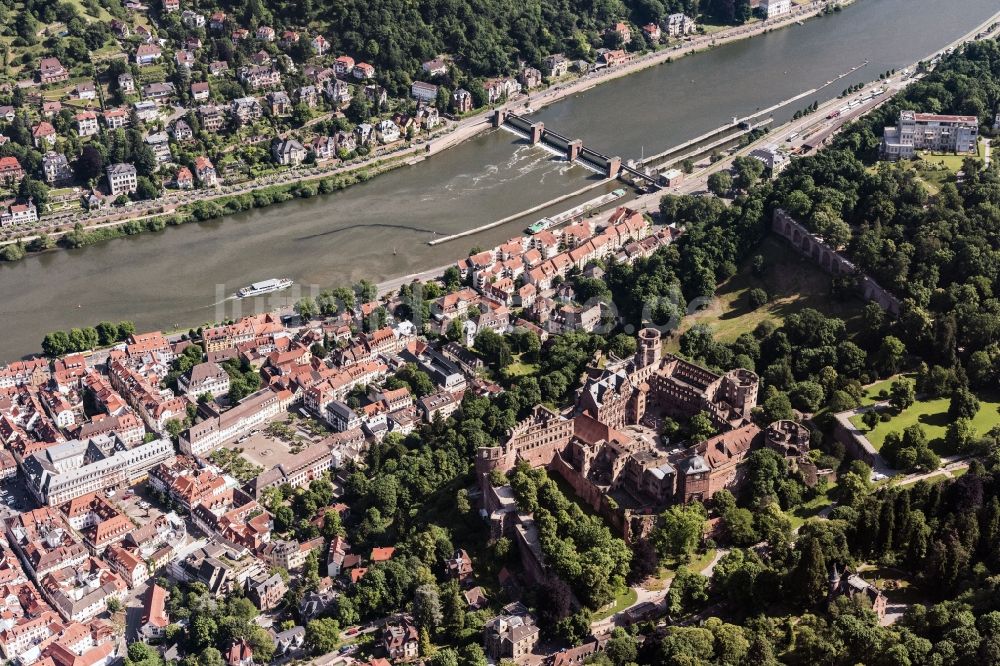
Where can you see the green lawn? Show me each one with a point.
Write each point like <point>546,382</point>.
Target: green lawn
<point>623,600</point>
<point>933,416</point>
<point>519,368</point>
<point>792,282</point>
<point>952,161</point>
<point>812,508</point>
<point>872,390</point>
<point>668,567</point>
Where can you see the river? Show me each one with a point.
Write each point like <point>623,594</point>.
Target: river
<point>379,229</point>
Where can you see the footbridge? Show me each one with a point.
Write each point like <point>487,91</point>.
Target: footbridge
<point>573,149</point>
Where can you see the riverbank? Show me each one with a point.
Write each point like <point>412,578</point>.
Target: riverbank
<point>177,208</point>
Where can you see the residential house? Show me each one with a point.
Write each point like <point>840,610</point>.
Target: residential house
<point>320,45</point>
<point>260,76</point>
<point>239,654</point>
<point>652,32</point>
<point>266,590</point>
<point>126,84</point>
<point>184,59</point>
<point>160,143</point>
<point>774,8</point>
<point>115,118</point>
<point>343,65</point>
<point>50,70</point>
<point>11,171</point>
<point>556,65</point>
<point>512,635</point>
<point>184,180</point>
<point>85,91</point>
<point>501,89</point>
<point>246,109</point>
<point>623,31</point>
<point>265,33</point>
<point>400,639</point>
<point>530,78</point>
<point>461,101</point>
<point>158,92</point>
<point>182,131</point>
<point>678,25</point>
<point>147,54</point>
<point>122,178</point>
<point>337,91</point>
<point>423,92</point>
<point>280,103</point>
<point>44,135</point>
<point>435,67</point>
<point>289,152</point>
<point>17,214</point>
<point>388,131</point>
<point>324,147</point>
<point>146,110</point>
<point>308,95</point>
<point>217,22</point>
<point>212,118</point>
<point>218,67</point>
<point>192,19</point>
<point>363,71</point>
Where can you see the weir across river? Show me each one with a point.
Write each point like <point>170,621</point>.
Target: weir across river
<point>574,150</point>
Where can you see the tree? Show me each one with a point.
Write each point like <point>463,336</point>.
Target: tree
<point>688,592</point>
<point>757,297</point>
<point>89,165</point>
<point>36,190</point>
<point>963,405</point>
<point>621,648</point>
<point>678,530</point>
<point>870,418</point>
<point>777,407</point>
<point>890,355</point>
<point>739,527</point>
<point>471,654</point>
<point>747,171</point>
<point>901,394</point>
<point>700,427</point>
<point>322,635</point>
<point>427,607</point>
<point>808,579</point>
<point>107,333</point>
<point>306,308</point>
<point>960,435</point>
<point>720,183</point>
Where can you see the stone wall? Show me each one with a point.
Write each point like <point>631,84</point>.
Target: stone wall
<point>813,247</point>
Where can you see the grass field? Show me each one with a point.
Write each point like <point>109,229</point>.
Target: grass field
<point>623,600</point>
<point>951,161</point>
<point>872,391</point>
<point>933,416</point>
<point>669,567</point>
<point>792,282</point>
<point>812,508</point>
<point>519,368</point>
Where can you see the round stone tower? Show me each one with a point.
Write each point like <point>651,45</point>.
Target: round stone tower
<point>649,346</point>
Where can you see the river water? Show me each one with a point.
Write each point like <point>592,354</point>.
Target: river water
<point>379,230</point>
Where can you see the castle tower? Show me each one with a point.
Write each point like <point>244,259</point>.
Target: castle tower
<point>649,348</point>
